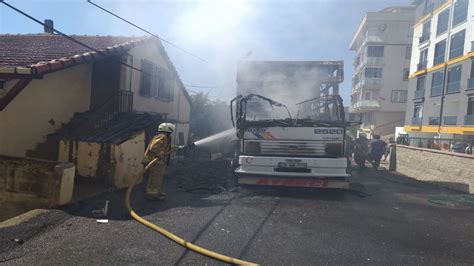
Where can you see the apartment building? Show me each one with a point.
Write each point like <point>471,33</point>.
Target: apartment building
<point>382,44</point>
<point>441,83</point>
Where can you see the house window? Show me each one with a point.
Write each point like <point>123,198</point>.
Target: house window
<point>373,72</point>
<point>433,120</point>
<point>454,79</point>
<point>367,95</point>
<point>418,110</point>
<point>437,83</point>
<point>470,106</point>
<point>149,78</point>
<point>420,83</point>
<point>443,19</point>
<point>460,11</point>
<point>165,86</point>
<point>457,44</point>
<point>399,96</point>
<point>408,52</point>
<point>155,82</point>
<point>406,73</point>
<point>440,49</point>
<point>425,35</point>
<point>375,51</point>
<point>423,59</point>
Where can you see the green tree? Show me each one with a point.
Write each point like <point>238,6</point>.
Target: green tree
<point>208,116</point>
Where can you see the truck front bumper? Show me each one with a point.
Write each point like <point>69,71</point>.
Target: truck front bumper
<point>320,168</point>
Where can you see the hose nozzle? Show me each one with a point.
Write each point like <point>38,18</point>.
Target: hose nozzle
<point>184,147</point>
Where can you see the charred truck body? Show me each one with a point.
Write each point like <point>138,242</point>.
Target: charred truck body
<point>299,144</point>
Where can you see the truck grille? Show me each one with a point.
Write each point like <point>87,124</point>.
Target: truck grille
<point>285,148</point>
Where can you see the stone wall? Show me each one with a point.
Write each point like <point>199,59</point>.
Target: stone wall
<point>43,182</point>
<point>452,170</point>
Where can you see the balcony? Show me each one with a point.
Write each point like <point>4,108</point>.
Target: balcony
<point>416,121</point>
<point>421,65</point>
<point>373,38</point>
<point>372,83</point>
<point>364,106</point>
<point>469,120</point>
<point>370,60</point>
<point>470,84</point>
<point>419,94</point>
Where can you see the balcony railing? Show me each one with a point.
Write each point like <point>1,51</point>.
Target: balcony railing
<point>365,105</point>
<point>421,65</point>
<point>450,120</point>
<point>373,38</point>
<point>419,94</point>
<point>470,84</point>
<point>416,121</point>
<point>373,82</point>
<point>469,120</point>
<point>371,60</point>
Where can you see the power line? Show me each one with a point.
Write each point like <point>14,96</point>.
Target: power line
<point>201,87</point>
<point>75,40</point>
<point>144,30</point>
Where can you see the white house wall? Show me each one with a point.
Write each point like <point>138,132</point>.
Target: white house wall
<point>42,108</point>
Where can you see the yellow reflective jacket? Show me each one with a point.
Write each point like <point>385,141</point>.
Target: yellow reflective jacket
<point>159,147</point>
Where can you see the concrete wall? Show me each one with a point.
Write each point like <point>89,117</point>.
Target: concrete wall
<point>117,164</point>
<point>128,157</point>
<point>455,171</point>
<point>42,107</point>
<point>45,183</point>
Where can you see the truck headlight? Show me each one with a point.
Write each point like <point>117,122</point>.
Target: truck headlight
<point>252,147</point>
<point>334,149</point>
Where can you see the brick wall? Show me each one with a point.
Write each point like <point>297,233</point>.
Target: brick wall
<point>29,180</point>
<point>452,170</point>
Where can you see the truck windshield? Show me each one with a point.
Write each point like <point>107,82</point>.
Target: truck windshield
<point>260,109</point>
<point>323,109</point>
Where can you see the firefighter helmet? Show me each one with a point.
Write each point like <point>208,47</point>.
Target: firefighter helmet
<point>166,127</point>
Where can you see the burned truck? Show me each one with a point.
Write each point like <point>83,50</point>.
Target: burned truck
<point>301,144</point>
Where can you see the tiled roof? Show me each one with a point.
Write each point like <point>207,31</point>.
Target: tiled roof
<point>31,50</point>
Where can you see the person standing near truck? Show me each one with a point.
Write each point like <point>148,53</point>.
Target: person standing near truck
<point>377,148</point>
<point>361,148</point>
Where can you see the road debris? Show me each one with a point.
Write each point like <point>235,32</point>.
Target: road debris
<point>19,241</point>
<point>101,213</point>
<point>102,221</point>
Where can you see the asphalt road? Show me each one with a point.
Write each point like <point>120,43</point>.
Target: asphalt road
<point>385,219</point>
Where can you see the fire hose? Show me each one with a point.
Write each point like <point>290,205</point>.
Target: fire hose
<point>170,235</point>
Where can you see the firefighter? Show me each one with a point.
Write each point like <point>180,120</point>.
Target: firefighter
<point>160,148</point>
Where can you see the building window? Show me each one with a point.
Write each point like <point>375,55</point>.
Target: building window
<point>149,78</point>
<point>418,110</point>
<point>423,59</point>
<point>470,106</point>
<point>440,49</point>
<point>460,11</point>
<point>425,35</point>
<point>450,120</point>
<point>454,79</point>
<point>443,19</point>
<point>420,83</point>
<point>367,95</point>
<point>429,6</point>
<point>408,52</point>
<point>406,73</point>
<point>433,121</point>
<point>437,83</point>
<point>373,72</point>
<point>375,51</point>
<point>399,96</point>
<point>457,44</point>
<point>155,82</point>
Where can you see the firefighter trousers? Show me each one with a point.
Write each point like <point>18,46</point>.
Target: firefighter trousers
<point>155,181</point>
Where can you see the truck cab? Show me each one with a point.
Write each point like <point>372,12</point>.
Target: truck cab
<point>275,149</point>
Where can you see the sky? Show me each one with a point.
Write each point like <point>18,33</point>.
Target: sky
<point>222,32</point>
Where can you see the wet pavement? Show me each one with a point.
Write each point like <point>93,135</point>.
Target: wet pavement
<point>383,219</point>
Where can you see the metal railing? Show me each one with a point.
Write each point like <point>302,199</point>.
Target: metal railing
<point>372,60</point>
<point>372,82</point>
<point>365,105</point>
<point>441,144</point>
<point>469,120</point>
<point>419,94</point>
